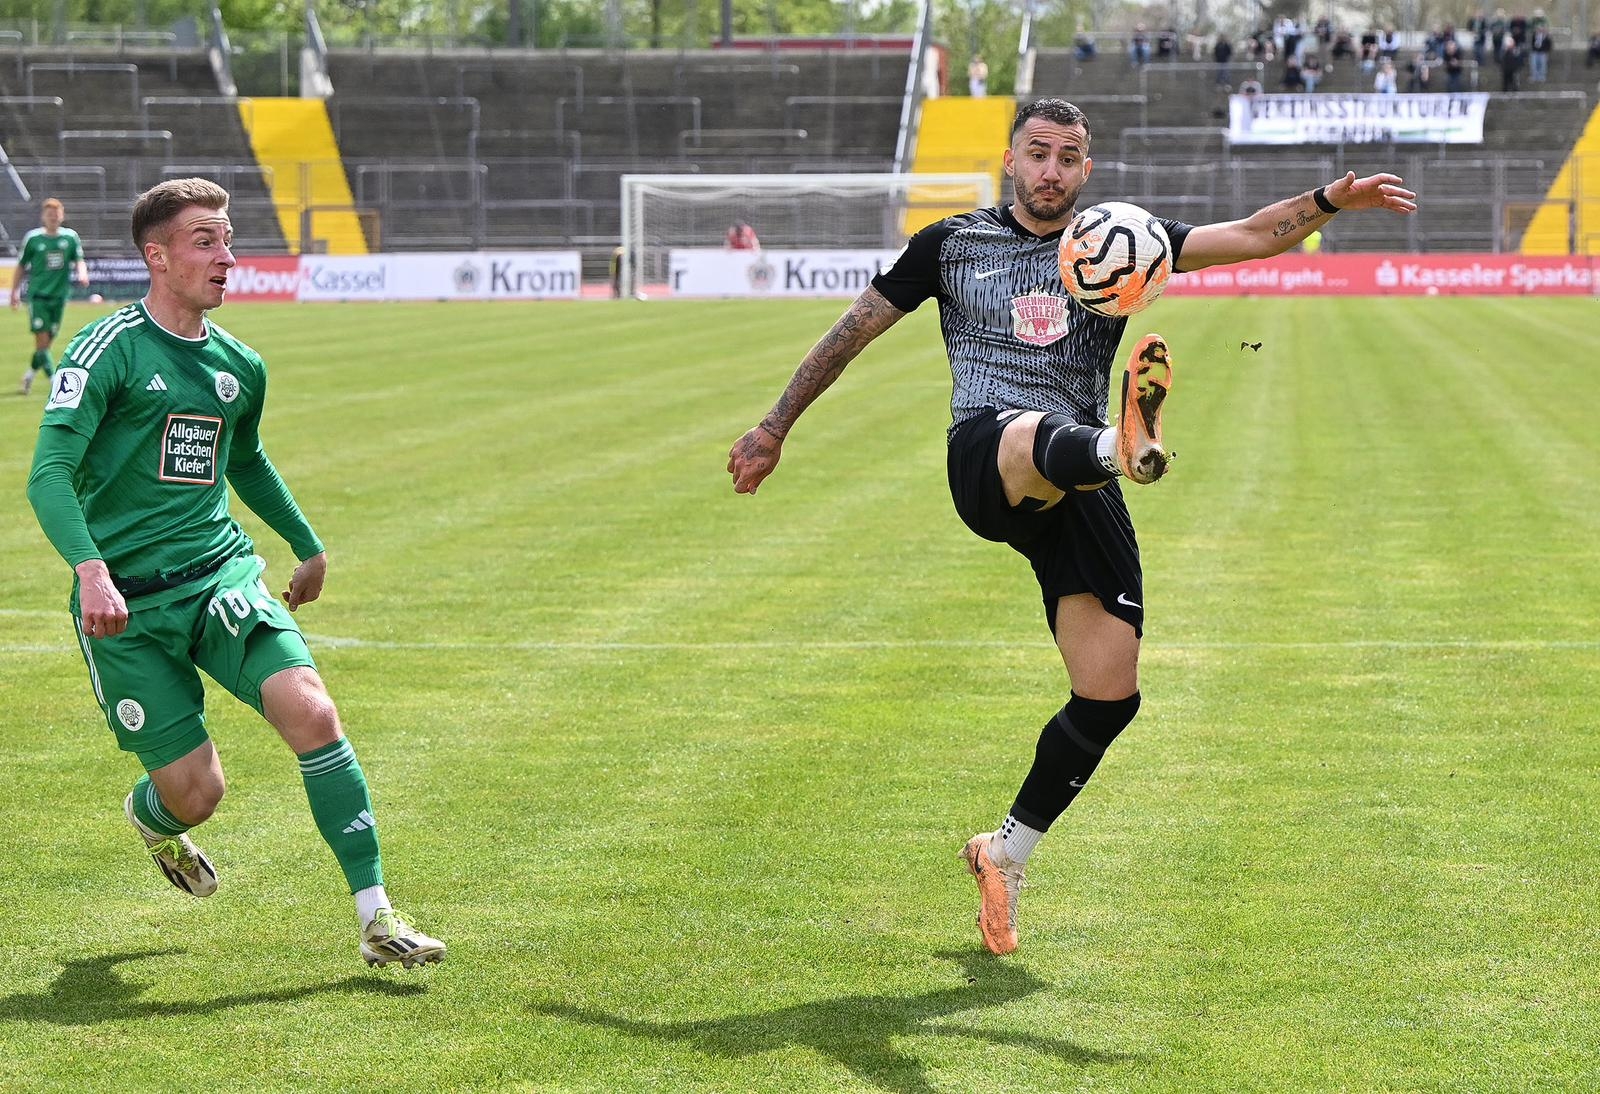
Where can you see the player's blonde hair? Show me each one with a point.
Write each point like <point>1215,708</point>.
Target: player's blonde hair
<point>53,203</point>
<point>165,200</point>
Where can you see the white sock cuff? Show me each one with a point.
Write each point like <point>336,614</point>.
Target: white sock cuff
<point>1105,448</point>
<point>370,901</point>
<point>1017,840</point>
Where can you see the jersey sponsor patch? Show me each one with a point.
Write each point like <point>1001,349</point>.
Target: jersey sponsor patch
<point>66,390</point>
<point>189,449</point>
<point>1040,318</point>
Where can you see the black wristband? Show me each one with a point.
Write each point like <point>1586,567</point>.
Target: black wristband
<point>1320,196</point>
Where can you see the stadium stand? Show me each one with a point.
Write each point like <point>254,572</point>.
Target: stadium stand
<point>94,127</point>
<point>453,149</point>
<point>528,149</point>
<point>1162,130</point>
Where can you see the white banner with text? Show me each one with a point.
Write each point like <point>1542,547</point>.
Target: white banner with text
<point>720,272</point>
<point>456,275</point>
<point>1357,119</point>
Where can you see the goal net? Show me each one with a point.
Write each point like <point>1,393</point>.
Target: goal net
<point>816,233</point>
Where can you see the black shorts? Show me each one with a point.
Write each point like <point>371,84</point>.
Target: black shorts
<point>1084,544</point>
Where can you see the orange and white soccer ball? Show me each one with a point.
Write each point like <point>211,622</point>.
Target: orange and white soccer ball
<point>1115,258</point>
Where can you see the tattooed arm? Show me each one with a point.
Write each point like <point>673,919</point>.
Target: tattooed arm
<point>753,456</point>
<point>1273,230</point>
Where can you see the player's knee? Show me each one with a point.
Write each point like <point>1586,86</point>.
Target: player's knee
<point>1092,724</point>
<point>195,801</point>
<point>1066,453</point>
<point>300,708</point>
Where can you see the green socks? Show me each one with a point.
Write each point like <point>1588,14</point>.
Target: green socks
<point>151,813</point>
<point>41,361</point>
<point>342,808</point>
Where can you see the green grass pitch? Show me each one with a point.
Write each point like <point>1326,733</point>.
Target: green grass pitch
<point>682,776</point>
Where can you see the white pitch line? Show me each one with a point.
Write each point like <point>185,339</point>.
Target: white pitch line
<point>334,642</point>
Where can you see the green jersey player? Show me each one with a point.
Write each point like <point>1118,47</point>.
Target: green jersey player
<point>51,255</point>
<point>153,413</point>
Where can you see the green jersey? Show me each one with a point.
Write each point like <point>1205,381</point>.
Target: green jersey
<point>164,416</point>
<point>49,260</point>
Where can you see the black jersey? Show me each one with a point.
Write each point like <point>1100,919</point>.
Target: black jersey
<point>1016,339</point>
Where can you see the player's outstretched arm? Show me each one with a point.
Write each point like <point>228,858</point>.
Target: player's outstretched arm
<point>1278,227</point>
<point>753,456</point>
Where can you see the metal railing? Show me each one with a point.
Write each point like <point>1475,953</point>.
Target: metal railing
<point>72,68</point>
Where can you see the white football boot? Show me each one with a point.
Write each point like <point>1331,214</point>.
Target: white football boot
<point>389,938</point>
<point>184,864</point>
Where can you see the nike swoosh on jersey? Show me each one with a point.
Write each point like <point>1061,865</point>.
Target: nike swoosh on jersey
<point>989,273</point>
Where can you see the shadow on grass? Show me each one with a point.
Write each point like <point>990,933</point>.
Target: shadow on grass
<point>91,990</point>
<point>858,1030</point>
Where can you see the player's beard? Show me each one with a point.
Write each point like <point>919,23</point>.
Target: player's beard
<point>1055,205</point>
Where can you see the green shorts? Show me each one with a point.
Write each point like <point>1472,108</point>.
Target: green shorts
<point>145,680</point>
<point>44,314</point>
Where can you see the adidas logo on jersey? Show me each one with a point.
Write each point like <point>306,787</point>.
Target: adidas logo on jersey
<point>157,384</point>
<point>362,822</point>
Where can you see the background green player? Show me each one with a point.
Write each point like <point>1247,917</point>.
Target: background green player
<point>50,256</point>
<point>153,413</point>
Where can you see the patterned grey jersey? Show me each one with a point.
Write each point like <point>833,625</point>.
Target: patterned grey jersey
<point>1016,340</point>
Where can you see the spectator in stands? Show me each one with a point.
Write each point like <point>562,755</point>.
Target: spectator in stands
<point>1139,46</point>
<point>978,77</point>
<point>1084,50</point>
<point>1250,88</point>
<point>1344,46</point>
<point>1511,59</point>
<point>1388,44</point>
<point>1324,31</point>
<point>1197,44</point>
<point>1497,33</point>
<point>1291,37</point>
<point>1455,65</point>
<point>742,237</point>
<point>1539,46</point>
<point>1517,27</point>
<point>1311,71</point>
<point>1419,73</point>
<point>1369,50</point>
<point>1478,27</point>
<point>1293,80</point>
<point>1167,45</point>
<point>1222,53</point>
<point>1384,82</point>
<point>1593,57</point>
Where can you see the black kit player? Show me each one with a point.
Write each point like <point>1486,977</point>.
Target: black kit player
<point>153,414</point>
<point>1032,462</point>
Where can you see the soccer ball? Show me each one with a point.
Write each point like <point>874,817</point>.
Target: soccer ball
<point>1115,258</point>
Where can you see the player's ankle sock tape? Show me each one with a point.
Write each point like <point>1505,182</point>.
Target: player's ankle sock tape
<point>342,808</point>
<point>1067,454</point>
<point>151,813</point>
<point>1068,751</point>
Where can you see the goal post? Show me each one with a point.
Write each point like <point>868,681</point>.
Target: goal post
<point>822,218</point>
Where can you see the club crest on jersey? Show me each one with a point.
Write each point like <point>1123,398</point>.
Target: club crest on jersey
<point>189,449</point>
<point>227,387</point>
<point>130,714</point>
<point>1039,318</point>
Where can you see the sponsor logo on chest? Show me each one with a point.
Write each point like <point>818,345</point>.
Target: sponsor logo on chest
<point>189,448</point>
<point>1039,318</point>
